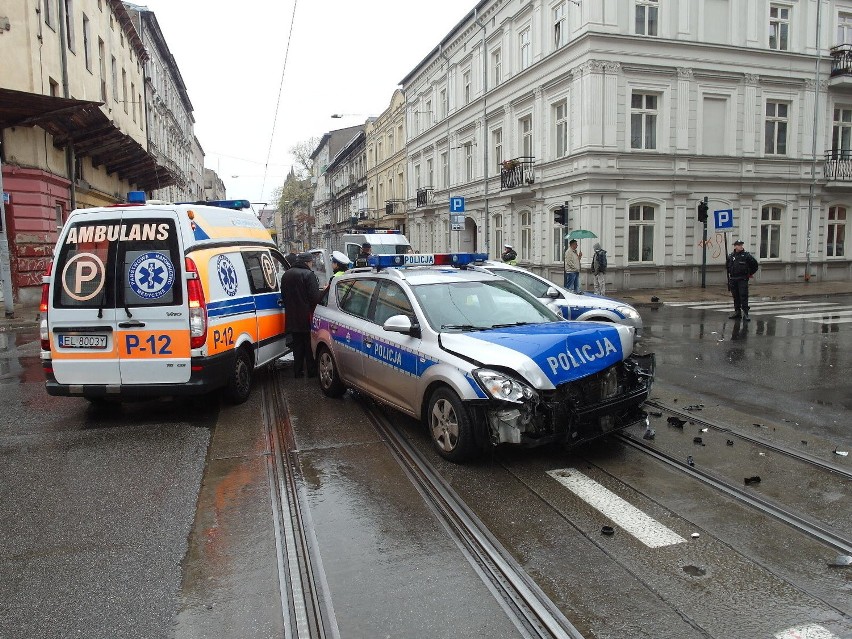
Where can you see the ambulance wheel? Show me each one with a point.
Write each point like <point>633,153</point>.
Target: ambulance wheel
<point>329,378</point>
<point>450,426</point>
<point>239,385</point>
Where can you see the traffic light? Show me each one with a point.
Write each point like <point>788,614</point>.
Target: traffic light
<point>559,215</point>
<point>702,212</point>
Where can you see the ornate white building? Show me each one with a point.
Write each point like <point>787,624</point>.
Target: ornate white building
<point>631,112</point>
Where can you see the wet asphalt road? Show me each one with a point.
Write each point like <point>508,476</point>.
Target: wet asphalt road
<point>100,535</point>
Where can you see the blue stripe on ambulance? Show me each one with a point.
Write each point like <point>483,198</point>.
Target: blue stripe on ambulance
<point>562,356</point>
<point>267,301</point>
<point>227,308</point>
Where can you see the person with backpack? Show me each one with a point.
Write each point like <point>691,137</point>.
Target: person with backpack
<point>599,269</point>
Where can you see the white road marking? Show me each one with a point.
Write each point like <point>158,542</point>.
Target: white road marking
<point>822,308</point>
<point>829,313</point>
<point>632,520</point>
<point>811,631</point>
<point>703,304</point>
<point>843,320</point>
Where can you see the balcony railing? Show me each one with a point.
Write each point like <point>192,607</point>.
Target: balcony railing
<point>394,207</point>
<point>424,196</point>
<point>517,172</point>
<point>838,165</point>
<point>841,60</point>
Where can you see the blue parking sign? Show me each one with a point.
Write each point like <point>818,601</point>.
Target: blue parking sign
<point>724,218</point>
<point>456,205</point>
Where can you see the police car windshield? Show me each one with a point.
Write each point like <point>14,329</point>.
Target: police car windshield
<point>479,305</point>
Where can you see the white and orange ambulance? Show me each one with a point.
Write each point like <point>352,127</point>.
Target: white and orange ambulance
<point>155,299</point>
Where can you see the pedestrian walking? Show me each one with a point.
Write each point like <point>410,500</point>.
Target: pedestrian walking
<point>300,293</point>
<point>366,251</point>
<point>599,269</point>
<point>509,255</point>
<point>572,267</point>
<point>741,267</point>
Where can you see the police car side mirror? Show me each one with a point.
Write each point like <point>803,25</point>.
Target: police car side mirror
<point>552,293</point>
<point>401,324</point>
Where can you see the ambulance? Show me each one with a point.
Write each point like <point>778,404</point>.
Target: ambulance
<point>149,299</point>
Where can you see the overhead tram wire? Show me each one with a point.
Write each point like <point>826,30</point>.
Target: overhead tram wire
<point>278,101</point>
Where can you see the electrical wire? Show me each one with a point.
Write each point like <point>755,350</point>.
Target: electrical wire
<point>278,101</point>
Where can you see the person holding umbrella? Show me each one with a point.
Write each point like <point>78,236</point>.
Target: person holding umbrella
<point>572,267</point>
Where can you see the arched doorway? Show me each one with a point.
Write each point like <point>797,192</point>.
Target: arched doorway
<point>467,236</point>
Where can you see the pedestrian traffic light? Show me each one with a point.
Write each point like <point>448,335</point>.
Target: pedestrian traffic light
<point>559,215</point>
<point>702,212</point>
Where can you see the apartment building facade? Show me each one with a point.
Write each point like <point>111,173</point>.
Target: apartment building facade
<point>72,121</point>
<point>387,206</point>
<point>630,112</point>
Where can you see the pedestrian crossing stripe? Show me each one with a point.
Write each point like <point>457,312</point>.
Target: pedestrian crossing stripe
<point>830,313</point>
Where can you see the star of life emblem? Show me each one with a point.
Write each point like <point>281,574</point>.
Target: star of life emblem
<point>151,275</point>
<point>227,275</point>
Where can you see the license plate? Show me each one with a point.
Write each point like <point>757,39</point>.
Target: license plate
<point>82,341</point>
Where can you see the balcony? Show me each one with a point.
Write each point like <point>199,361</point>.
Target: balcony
<point>425,196</point>
<point>841,67</point>
<point>838,165</point>
<point>394,208</point>
<point>517,172</point>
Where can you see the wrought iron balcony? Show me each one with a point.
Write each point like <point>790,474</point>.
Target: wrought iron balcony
<point>838,165</point>
<point>394,207</point>
<point>424,196</point>
<point>517,172</point>
<point>841,60</point>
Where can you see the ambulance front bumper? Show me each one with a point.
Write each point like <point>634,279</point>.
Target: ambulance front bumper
<point>207,375</point>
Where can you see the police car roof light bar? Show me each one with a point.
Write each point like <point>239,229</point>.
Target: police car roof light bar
<point>425,259</point>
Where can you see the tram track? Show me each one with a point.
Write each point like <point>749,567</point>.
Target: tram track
<point>530,609</point>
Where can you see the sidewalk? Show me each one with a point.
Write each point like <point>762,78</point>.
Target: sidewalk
<point>25,316</point>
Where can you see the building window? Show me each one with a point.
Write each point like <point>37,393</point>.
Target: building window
<point>428,113</point>
<point>390,143</point>
<point>443,104</point>
<point>114,68</point>
<point>468,161</point>
<point>48,12</point>
<point>498,233</point>
<point>497,147</point>
<point>466,86</point>
<point>132,94</point>
<point>87,42</point>
<point>445,169</point>
<point>643,121</point>
<point>841,134</point>
<point>54,87</point>
<point>646,17</point>
<point>776,128</point>
<point>59,212</point>
<point>560,116</point>
<point>430,172</point>
<point>124,88</point>
<point>496,67</point>
<point>770,232</point>
<point>525,48</point>
<point>69,25</point>
<point>640,233</point>
<point>844,28</point>
<point>779,27</point>
<point>102,68</point>
<point>526,130</point>
<point>558,250</point>
<point>560,32</point>
<point>836,232</point>
<point>526,236</point>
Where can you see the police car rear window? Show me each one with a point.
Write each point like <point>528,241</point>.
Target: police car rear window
<point>118,263</point>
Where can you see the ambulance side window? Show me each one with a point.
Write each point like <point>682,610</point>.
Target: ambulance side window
<point>263,271</point>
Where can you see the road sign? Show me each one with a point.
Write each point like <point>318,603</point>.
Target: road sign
<point>724,218</point>
<point>456,205</point>
<point>457,227</point>
<point>457,218</point>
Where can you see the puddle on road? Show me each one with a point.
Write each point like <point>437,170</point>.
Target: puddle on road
<point>19,356</point>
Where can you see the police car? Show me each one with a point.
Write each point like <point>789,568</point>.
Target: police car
<point>479,360</point>
<point>570,305</point>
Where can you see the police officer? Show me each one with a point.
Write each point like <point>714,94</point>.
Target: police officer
<point>339,263</point>
<point>300,293</point>
<point>741,267</point>
<point>509,255</point>
<point>366,251</point>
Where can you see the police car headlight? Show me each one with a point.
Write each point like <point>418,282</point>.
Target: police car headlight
<point>503,387</point>
<point>629,312</point>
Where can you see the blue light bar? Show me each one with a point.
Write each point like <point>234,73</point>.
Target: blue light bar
<point>136,197</point>
<point>237,205</point>
<point>425,259</point>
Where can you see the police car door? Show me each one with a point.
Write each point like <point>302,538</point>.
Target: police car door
<point>391,359</point>
<point>152,319</point>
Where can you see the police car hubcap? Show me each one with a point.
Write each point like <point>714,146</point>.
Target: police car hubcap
<point>444,426</point>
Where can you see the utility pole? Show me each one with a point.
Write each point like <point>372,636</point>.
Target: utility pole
<point>5,267</point>
<point>702,217</point>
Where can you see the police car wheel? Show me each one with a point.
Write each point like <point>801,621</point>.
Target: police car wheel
<point>329,379</point>
<point>450,426</point>
<point>239,385</point>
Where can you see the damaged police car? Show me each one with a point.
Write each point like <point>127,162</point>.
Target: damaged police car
<point>479,360</point>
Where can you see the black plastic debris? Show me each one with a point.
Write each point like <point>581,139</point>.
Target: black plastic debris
<point>655,299</point>
<point>758,425</point>
<point>752,480</point>
<point>697,440</point>
<point>690,461</point>
<point>607,530</point>
<point>804,442</point>
<point>694,407</point>
<point>676,422</point>
<point>650,433</point>
<point>730,442</point>
<point>655,414</point>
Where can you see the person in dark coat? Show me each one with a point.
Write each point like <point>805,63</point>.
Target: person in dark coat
<point>366,251</point>
<point>741,267</point>
<point>300,293</point>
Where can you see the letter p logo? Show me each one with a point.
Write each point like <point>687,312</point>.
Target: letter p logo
<point>83,276</point>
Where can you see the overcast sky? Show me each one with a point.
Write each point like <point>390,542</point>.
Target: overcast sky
<point>345,56</point>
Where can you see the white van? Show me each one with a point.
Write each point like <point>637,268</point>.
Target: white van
<point>154,299</point>
<point>384,242</point>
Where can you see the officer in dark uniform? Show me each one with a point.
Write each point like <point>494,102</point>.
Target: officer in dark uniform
<point>366,251</point>
<point>741,267</point>
<point>300,293</point>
